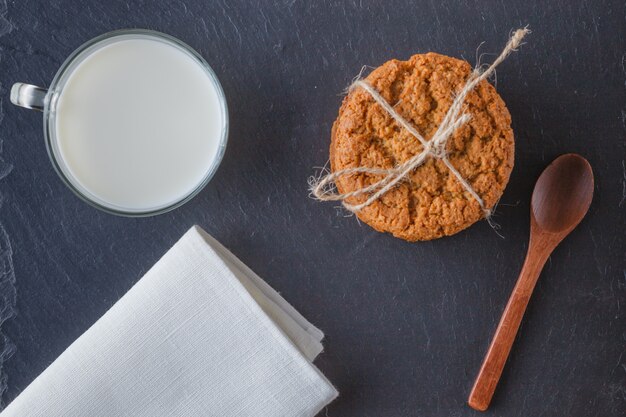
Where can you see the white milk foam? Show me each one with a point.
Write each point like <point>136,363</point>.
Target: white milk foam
<point>138,124</point>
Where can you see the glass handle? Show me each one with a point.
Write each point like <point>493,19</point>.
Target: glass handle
<point>29,96</point>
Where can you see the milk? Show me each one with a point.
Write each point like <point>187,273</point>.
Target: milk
<point>138,124</point>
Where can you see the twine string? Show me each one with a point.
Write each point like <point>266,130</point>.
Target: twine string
<point>324,189</point>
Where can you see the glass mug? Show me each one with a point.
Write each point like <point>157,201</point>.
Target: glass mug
<point>135,122</point>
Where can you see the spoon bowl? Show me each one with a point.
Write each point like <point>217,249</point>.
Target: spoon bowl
<point>562,194</point>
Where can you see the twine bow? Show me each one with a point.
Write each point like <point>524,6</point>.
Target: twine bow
<point>323,188</point>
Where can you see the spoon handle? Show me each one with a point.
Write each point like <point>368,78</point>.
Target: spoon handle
<point>498,352</point>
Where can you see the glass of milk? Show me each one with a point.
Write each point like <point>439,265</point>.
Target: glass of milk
<point>135,122</point>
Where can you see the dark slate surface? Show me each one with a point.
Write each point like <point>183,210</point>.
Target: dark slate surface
<point>407,324</point>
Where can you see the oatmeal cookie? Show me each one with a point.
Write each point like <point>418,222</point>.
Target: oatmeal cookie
<point>430,202</point>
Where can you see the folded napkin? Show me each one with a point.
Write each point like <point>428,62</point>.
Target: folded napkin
<point>199,335</point>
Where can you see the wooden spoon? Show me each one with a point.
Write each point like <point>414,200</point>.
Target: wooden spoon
<point>560,200</point>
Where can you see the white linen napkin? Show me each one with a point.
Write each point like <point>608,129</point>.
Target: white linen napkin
<point>199,335</point>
